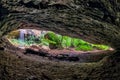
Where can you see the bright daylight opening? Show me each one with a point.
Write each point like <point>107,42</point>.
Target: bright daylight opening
<point>55,46</point>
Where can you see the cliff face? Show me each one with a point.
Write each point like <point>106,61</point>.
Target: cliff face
<point>96,21</point>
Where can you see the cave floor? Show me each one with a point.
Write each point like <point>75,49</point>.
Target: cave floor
<point>66,55</point>
<point>21,68</point>
<point>26,67</point>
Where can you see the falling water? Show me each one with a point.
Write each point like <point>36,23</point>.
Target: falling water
<point>21,38</point>
<point>22,35</point>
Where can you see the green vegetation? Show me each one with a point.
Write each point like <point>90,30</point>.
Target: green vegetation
<point>84,47</point>
<point>78,44</point>
<point>101,47</point>
<point>59,42</point>
<point>66,42</point>
<point>18,42</point>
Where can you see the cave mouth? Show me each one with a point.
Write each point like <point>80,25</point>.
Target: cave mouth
<point>56,47</point>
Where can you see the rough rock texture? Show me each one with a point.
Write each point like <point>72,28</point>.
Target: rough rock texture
<point>96,21</point>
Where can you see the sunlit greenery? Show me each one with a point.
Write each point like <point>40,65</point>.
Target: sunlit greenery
<point>78,44</point>
<point>18,42</point>
<point>59,41</point>
<point>102,47</point>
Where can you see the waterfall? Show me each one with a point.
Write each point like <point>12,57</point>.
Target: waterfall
<point>22,35</point>
<point>21,38</point>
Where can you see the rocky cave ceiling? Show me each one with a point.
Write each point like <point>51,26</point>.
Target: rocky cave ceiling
<point>93,21</point>
<point>73,18</point>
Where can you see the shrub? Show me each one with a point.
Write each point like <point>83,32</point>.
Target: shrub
<point>84,47</point>
<point>101,47</point>
<point>66,42</point>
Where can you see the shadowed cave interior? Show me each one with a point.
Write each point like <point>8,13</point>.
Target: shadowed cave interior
<point>52,46</point>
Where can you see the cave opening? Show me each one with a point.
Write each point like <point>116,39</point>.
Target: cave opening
<point>56,47</point>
